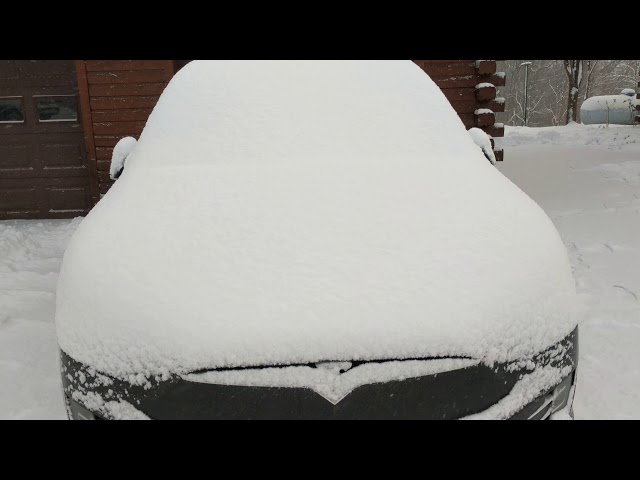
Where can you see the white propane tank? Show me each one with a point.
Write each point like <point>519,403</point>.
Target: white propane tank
<point>610,109</point>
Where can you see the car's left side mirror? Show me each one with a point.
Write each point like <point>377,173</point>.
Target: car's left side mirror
<point>121,151</point>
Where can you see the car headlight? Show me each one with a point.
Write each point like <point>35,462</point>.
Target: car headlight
<point>75,411</point>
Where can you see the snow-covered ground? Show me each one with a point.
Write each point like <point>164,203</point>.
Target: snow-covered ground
<point>30,257</point>
<point>614,137</point>
<point>586,178</point>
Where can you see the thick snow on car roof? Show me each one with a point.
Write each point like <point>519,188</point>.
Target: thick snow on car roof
<point>293,212</point>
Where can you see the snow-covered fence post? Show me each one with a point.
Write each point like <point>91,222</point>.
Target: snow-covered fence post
<point>526,66</point>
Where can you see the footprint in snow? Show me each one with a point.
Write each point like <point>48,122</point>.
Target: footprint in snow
<point>625,289</point>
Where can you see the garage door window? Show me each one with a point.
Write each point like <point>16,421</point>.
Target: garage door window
<point>57,108</point>
<point>11,110</point>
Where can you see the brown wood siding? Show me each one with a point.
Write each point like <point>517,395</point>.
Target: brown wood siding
<point>460,81</point>
<point>123,115</point>
<point>113,66</point>
<point>470,106</point>
<point>467,81</point>
<point>127,76</point>
<point>119,103</point>
<point>120,95</point>
<point>43,164</point>
<point>466,84</point>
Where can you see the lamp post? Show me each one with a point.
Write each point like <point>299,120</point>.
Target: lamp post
<point>526,90</point>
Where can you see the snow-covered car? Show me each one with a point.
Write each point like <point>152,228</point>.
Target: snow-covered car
<point>311,240</point>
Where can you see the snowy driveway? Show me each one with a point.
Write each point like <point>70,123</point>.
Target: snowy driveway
<point>593,197</point>
<point>591,193</point>
<point>30,256</point>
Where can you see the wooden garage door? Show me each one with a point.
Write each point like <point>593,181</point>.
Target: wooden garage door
<point>43,166</point>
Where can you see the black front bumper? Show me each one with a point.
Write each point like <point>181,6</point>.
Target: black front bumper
<point>449,395</point>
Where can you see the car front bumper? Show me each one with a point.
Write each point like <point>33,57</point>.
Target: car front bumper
<point>449,395</point>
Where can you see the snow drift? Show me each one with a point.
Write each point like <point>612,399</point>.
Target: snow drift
<point>290,212</point>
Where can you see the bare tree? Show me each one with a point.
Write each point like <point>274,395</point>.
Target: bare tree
<point>591,66</point>
<point>547,93</point>
<point>573,69</point>
<point>610,76</point>
<point>549,88</point>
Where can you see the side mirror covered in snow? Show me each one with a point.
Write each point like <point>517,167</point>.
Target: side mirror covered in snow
<point>484,142</point>
<point>120,153</point>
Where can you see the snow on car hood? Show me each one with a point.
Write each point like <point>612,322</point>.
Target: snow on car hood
<point>297,212</point>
